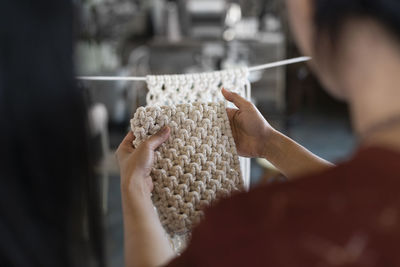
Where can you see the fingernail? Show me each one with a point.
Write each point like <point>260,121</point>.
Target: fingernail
<point>164,130</point>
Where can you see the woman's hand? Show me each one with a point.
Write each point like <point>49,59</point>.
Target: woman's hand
<point>135,164</point>
<point>249,128</point>
<point>145,241</point>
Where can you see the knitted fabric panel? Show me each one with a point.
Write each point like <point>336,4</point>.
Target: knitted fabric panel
<point>201,87</point>
<point>196,166</point>
<point>190,88</point>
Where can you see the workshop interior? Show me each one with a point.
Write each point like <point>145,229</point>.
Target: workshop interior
<point>138,38</point>
<point>129,55</point>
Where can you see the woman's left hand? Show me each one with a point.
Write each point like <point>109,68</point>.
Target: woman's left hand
<point>135,164</point>
<point>145,241</point>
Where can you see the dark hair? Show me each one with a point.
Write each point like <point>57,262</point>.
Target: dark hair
<point>331,15</point>
<point>46,183</point>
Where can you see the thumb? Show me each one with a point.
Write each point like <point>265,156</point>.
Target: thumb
<point>156,140</point>
<point>235,98</point>
<point>232,113</point>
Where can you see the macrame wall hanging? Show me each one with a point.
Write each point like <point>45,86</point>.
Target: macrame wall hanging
<point>204,87</point>
<point>199,163</point>
<point>196,166</point>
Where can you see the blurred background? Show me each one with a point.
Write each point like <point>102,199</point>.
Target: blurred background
<point>140,37</point>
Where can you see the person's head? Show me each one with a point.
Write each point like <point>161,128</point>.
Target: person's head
<point>49,214</point>
<point>334,32</point>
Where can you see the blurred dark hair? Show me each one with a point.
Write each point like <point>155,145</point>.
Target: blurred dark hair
<point>331,15</point>
<point>49,211</point>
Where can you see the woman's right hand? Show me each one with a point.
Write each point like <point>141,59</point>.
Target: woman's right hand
<point>249,128</point>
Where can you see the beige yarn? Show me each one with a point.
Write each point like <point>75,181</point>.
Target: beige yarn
<point>196,166</point>
<point>200,87</point>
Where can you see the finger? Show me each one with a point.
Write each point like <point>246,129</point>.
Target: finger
<point>129,138</point>
<point>156,140</point>
<point>231,116</point>
<point>231,113</point>
<point>236,99</point>
<point>126,145</point>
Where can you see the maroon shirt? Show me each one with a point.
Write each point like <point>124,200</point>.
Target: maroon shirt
<point>346,216</point>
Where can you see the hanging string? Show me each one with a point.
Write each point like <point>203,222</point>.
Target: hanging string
<point>279,63</point>
<point>255,68</point>
<point>110,78</point>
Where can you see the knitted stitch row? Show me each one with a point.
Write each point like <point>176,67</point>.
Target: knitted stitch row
<point>190,88</point>
<point>196,166</point>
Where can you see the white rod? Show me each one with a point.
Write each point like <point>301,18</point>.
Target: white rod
<point>255,68</point>
<point>110,78</point>
<point>279,63</point>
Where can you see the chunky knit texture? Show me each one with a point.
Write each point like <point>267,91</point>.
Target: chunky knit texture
<point>201,87</point>
<point>196,166</point>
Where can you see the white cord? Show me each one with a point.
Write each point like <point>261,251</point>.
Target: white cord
<point>110,78</point>
<point>255,68</point>
<point>279,63</point>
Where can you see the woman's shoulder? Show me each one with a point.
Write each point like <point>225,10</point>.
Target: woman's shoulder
<point>369,180</point>
<point>372,169</point>
<point>272,224</point>
<point>369,167</point>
